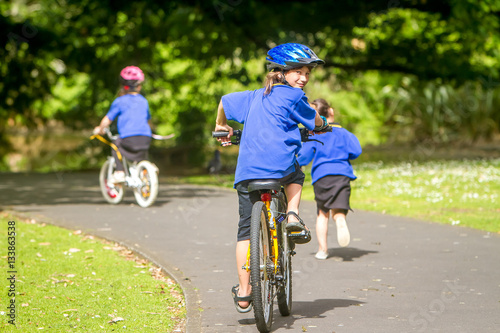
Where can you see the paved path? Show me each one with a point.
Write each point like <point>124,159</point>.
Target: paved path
<point>398,275</point>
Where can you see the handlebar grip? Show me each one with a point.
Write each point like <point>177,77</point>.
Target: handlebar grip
<point>328,129</point>
<point>219,134</point>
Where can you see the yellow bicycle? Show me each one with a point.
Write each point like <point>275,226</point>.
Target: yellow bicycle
<point>269,257</point>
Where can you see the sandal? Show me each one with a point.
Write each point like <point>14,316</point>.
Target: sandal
<point>237,299</point>
<point>297,225</point>
<point>298,231</point>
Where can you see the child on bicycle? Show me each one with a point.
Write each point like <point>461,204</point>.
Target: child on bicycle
<point>332,174</point>
<point>269,143</point>
<point>131,110</point>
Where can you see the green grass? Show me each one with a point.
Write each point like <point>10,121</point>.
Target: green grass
<point>464,192</point>
<point>67,281</point>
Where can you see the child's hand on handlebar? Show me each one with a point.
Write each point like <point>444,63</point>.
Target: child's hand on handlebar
<point>98,130</point>
<point>225,141</point>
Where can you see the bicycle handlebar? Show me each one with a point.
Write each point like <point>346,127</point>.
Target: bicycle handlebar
<point>109,134</point>
<point>220,134</point>
<point>304,135</point>
<point>113,137</point>
<point>223,134</point>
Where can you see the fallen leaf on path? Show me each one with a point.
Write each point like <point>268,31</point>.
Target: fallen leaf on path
<point>115,320</point>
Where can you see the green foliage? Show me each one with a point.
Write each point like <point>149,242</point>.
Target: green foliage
<point>60,60</point>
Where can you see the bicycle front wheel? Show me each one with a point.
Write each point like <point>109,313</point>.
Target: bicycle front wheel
<point>147,191</point>
<point>285,287</point>
<point>261,268</point>
<point>113,193</point>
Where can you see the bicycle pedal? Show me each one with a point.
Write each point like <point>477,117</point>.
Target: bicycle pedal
<point>297,233</point>
<point>300,237</point>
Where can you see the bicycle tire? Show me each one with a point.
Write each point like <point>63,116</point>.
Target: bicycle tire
<point>112,193</point>
<point>285,288</point>
<point>146,193</point>
<point>260,252</point>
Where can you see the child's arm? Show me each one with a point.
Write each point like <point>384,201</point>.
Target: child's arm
<point>318,121</point>
<point>306,153</point>
<point>353,146</point>
<point>105,122</point>
<point>221,124</point>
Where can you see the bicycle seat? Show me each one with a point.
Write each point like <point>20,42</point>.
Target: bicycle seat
<point>269,184</point>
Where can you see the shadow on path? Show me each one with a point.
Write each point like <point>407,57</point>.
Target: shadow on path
<point>347,253</point>
<point>305,309</point>
<point>82,188</point>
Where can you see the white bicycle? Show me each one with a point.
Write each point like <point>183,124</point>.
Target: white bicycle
<point>141,176</point>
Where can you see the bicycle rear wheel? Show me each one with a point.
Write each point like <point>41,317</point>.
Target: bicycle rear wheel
<point>146,193</point>
<point>112,193</point>
<point>261,268</point>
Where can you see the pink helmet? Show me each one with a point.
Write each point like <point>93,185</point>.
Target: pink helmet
<point>132,75</point>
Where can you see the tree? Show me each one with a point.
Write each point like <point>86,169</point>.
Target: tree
<point>60,59</point>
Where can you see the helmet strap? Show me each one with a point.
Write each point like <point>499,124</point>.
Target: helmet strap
<point>284,78</point>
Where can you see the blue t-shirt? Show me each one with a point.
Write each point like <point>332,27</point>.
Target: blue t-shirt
<point>271,137</point>
<point>132,111</point>
<point>332,158</point>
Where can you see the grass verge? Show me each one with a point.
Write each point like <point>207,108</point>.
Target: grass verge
<point>464,192</point>
<point>68,281</point>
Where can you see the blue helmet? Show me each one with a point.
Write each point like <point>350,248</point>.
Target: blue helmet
<point>291,55</point>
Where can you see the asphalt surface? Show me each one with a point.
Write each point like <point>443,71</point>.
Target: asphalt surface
<point>397,275</point>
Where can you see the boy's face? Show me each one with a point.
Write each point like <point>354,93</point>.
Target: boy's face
<point>298,77</point>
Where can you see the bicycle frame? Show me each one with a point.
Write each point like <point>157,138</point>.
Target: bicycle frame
<point>266,197</point>
<point>115,148</point>
<point>142,176</point>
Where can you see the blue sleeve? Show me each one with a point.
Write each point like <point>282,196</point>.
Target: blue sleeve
<point>114,110</point>
<point>306,154</point>
<point>303,113</point>
<point>236,105</point>
<point>353,146</point>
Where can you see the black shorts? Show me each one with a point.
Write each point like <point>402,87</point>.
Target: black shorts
<point>332,192</point>
<point>134,148</point>
<point>246,200</point>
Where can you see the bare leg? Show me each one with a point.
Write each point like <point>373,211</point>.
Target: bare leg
<point>343,236</point>
<point>243,275</point>
<point>293,193</point>
<point>322,230</point>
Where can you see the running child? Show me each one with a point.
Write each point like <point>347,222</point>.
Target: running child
<point>332,174</point>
